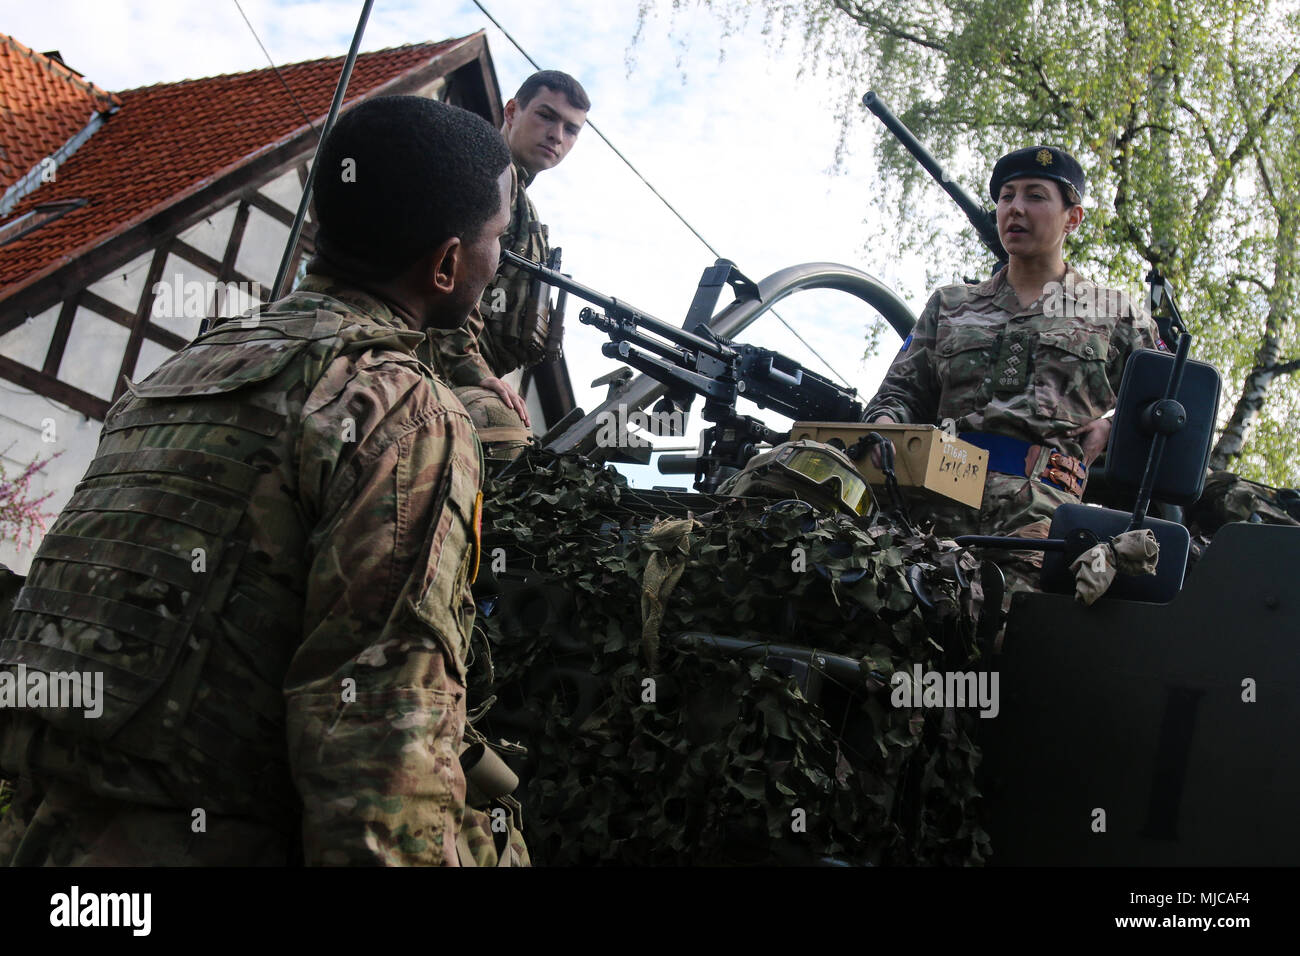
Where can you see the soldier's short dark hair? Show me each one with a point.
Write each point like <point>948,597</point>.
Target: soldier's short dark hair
<point>557,81</point>
<point>1068,195</point>
<point>399,175</point>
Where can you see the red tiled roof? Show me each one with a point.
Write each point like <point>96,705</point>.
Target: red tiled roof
<point>42,104</point>
<point>172,138</point>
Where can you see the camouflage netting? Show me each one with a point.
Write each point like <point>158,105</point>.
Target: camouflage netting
<point>729,762</point>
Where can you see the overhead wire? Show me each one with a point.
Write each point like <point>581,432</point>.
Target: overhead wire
<point>276,70</point>
<point>671,208</point>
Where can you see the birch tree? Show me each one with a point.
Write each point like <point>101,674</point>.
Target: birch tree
<point>1185,117</point>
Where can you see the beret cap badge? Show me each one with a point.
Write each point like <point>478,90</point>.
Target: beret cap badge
<point>1044,162</point>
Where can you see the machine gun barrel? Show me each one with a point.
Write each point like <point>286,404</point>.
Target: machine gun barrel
<point>984,222</point>
<point>623,319</point>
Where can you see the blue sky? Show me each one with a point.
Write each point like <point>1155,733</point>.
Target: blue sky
<point>739,143</point>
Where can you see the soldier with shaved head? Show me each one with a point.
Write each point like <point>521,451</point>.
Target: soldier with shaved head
<point>269,558</point>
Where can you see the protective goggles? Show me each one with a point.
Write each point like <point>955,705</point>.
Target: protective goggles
<point>819,467</point>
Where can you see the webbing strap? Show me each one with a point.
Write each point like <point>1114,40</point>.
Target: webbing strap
<point>202,466</point>
<point>204,515</point>
<point>114,615</point>
<point>156,563</point>
<point>503,433</point>
<point>260,421</point>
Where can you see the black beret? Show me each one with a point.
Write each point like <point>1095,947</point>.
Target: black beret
<point>1046,162</point>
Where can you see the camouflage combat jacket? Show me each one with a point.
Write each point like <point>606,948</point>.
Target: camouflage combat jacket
<point>500,335</point>
<point>1030,373</point>
<point>269,560</point>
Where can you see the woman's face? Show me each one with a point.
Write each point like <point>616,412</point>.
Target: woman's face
<point>1033,218</point>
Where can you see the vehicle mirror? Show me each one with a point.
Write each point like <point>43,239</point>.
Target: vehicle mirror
<point>1142,412</point>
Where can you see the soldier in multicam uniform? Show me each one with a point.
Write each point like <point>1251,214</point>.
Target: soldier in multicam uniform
<point>269,558</point>
<point>509,330</point>
<point>1026,364</point>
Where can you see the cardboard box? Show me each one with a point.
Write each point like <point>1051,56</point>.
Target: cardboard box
<point>926,460</point>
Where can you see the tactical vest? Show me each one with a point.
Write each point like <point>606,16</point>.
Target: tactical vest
<point>516,315</point>
<point>177,570</point>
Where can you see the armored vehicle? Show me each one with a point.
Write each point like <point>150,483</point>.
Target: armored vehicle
<point>700,677</point>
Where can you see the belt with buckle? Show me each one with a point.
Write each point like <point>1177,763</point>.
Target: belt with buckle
<point>1011,456</point>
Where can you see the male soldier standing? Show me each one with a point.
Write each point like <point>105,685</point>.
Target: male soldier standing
<point>509,329</point>
<point>269,558</point>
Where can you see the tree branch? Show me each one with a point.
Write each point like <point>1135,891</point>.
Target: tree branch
<point>1240,277</point>
<point>1120,164</point>
<point>1265,178</point>
<point>869,18</point>
<point>1187,107</point>
<point>1223,174</point>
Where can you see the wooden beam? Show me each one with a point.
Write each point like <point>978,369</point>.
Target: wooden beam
<point>59,341</point>
<point>92,406</point>
<point>165,337</point>
<point>111,310</point>
<point>270,207</point>
<point>197,257</point>
<point>491,89</point>
<point>142,313</point>
<point>226,267</point>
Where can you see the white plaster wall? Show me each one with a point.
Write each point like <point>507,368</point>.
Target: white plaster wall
<point>93,355</point>
<point>262,247</point>
<point>285,191</point>
<point>179,315</point>
<point>122,286</point>
<point>151,356</point>
<point>29,342</point>
<point>212,234</point>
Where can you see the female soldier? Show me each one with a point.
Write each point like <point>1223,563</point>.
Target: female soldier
<point>1026,364</point>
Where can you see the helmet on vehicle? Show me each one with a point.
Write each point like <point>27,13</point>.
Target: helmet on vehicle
<point>807,470</point>
<point>503,435</point>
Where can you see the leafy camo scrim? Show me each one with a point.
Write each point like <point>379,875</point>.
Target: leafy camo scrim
<point>727,762</point>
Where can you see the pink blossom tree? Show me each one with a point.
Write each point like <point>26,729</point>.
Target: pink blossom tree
<point>21,517</point>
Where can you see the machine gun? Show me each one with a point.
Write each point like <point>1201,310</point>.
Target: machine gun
<point>985,222</point>
<point>696,361</point>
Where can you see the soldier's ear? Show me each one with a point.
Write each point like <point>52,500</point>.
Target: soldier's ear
<point>444,263</point>
<point>1073,218</point>
<point>512,108</point>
